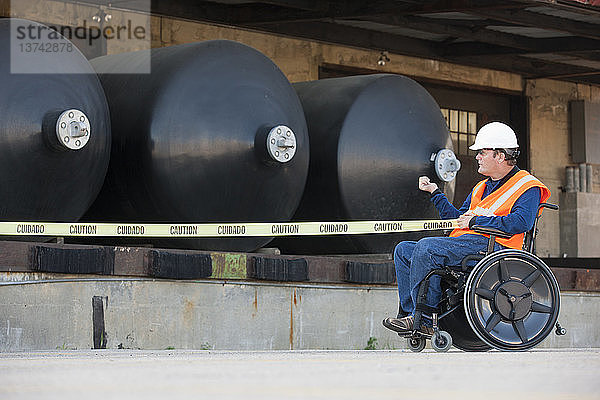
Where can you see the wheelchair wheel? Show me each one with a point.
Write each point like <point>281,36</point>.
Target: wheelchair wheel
<point>511,300</point>
<point>441,341</point>
<point>416,344</point>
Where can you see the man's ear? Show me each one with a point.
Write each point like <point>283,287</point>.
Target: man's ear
<point>501,157</point>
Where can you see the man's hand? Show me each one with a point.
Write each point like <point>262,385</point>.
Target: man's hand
<point>463,220</point>
<point>427,186</point>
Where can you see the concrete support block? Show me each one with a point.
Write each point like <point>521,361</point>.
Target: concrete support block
<point>579,224</point>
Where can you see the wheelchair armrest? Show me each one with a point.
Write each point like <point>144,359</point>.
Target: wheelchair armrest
<point>491,231</point>
<point>548,205</point>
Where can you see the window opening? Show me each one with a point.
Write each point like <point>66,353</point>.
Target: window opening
<point>463,129</point>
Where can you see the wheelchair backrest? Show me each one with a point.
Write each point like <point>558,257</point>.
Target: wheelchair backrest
<point>529,240</point>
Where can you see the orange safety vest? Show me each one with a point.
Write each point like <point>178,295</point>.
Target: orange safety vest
<point>500,202</point>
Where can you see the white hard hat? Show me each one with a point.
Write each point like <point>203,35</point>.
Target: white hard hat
<point>495,135</point>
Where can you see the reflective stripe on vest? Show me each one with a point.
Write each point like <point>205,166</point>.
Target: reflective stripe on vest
<point>491,209</point>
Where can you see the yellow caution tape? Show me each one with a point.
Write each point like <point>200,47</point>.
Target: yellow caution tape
<point>221,230</point>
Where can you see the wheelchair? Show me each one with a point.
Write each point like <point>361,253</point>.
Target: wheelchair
<point>509,300</point>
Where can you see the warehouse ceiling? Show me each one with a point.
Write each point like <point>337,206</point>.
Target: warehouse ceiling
<point>558,39</point>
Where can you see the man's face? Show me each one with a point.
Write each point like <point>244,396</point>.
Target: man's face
<point>488,164</point>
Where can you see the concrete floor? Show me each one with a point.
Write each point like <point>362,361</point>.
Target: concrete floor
<point>168,374</point>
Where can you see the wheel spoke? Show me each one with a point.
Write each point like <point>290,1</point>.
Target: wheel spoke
<point>537,307</point>
<point>492,321</point>
<point>503,275</point>
<point>519,327</point>
<point>485,293</point>
<point>531,278</point>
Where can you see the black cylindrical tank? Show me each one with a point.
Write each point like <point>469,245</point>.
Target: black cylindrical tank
<point>54,126</point>
<point>215,133</point>
<point>371,137</point>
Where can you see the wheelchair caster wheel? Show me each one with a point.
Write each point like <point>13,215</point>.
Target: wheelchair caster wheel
<point>441,341</point>
<point>560,331</point>
<point>416,344</point>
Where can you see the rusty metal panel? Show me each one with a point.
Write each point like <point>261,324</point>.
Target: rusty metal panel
<point>326,269</point>
<point>131,261</point>
<point>585,280</point>
<point>229,266</point>
<point>14,256</point>
<point>566,278</point>
<point>588,280</point>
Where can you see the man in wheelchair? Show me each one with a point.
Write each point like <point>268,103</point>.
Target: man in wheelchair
<point>508,201</point>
